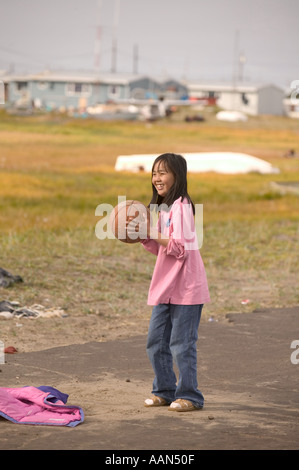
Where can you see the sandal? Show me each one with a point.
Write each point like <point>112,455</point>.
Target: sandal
<point>155,401</point>
<point>182,405</point>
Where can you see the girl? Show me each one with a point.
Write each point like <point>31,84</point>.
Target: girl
<point>178,289</point>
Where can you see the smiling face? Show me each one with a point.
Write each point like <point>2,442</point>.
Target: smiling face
<point>162,179</point>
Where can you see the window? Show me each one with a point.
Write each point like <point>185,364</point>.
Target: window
<point>78,89</point>
<point>21,86</point>
<point>113,91</point>
<point>42,85</point>
<point>245,99</point>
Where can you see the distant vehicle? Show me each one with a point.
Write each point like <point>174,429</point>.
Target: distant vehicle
<point>196,118</point>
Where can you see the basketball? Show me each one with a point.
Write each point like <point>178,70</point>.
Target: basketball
<point>124,213</point>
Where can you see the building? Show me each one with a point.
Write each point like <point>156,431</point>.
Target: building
<point>65,90</point>
<point>252,99</point>
<point>291,100</point>
<point>291,107</point>
<point>53,90</point>
<point>76,91</point>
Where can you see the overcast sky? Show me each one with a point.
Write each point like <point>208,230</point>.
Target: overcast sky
<point>193,39</point>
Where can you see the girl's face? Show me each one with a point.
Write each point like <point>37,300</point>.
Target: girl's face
<point>162,179</point>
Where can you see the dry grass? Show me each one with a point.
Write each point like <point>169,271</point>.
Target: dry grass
<point>55,171</point>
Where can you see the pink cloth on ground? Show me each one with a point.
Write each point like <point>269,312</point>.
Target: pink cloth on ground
<point>30,405</point>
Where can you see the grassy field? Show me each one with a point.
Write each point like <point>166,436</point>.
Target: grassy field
<point>54,171</point>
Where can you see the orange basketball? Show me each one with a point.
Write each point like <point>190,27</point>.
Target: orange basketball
<point>128,211</point>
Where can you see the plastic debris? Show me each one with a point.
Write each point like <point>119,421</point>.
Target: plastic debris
<point>13,309</point>
<point>7,279</point>
<point>10,350</point>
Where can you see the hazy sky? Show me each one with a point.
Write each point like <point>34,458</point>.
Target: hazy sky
<point>193,39</point>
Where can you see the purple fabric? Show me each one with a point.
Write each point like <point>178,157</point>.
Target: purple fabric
<point>54,394</point>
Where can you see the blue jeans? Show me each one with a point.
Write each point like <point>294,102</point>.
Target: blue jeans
<point>172,335</point>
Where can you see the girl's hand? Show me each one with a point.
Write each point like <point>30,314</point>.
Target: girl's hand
<point>138,227</point>
<point>141,227</point>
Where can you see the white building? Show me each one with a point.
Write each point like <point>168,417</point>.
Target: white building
<point>291,101</point>
<point>252,99</point>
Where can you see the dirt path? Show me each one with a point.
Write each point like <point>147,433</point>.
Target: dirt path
<point>245,373</point>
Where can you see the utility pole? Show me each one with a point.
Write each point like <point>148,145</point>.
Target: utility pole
<point>114,55</point>
<point>242,62</point>
<point>97,44</point>
<point>235,69</point>
<point>135,59</point>
<point>114,40</point>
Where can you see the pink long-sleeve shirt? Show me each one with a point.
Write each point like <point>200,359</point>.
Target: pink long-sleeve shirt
<point>179,275</point>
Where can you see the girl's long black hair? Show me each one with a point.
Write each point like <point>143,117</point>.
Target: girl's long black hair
<point>177,165</point>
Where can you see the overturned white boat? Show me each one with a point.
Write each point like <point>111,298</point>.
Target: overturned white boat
<point>219,162</point>
<point>231,116</point>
